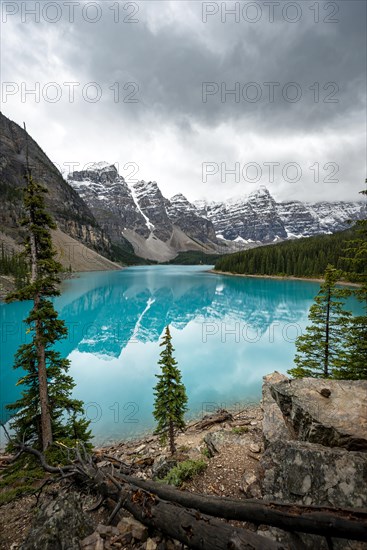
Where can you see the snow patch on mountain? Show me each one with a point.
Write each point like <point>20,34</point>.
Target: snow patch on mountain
<point>158,227</point>
<point>258,217</point>
<point>149,224</point>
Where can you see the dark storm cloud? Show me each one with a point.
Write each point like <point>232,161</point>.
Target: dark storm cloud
<point>171,64</point>
<point>170,53</point>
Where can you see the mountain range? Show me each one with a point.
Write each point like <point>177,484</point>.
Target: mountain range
<point>158,227</point>
<point>101,218</point>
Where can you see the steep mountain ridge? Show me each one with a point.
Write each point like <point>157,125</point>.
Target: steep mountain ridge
<point>260,218</point>
<point>98,208</point>
<point>156,227</point>
<point>159,228</point>
<point>74,218</point>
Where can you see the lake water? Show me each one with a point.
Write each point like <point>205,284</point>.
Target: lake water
<point>228,332</point>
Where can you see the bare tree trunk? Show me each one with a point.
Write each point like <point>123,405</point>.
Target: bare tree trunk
<point>46,428</point>
<point>327,335</point>
<point>172,445</point>
<point>32,243</point>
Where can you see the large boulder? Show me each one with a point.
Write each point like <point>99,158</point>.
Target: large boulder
<point>59,525</point>
<point>311,474</point>
<point>315,434</point>
<point>330,412</point>
<point>274,427</point>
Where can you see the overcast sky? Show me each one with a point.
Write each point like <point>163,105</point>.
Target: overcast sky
<point>158,107</point>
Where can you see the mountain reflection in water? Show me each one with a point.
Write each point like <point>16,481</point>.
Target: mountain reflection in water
<point>228,332</point>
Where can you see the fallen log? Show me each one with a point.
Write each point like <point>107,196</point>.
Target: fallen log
<point>189,526</point>
<point>185,511</point>
<point>196,530</point>
<point>324,521</point>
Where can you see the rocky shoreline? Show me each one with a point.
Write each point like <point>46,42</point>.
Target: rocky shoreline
<point>304,444</point>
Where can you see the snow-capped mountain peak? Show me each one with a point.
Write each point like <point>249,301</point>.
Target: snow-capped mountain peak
<point>100,166</point>
<point>142,214</point>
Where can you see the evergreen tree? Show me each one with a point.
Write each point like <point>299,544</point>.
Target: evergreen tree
<point>318,350</point>
<point>170,395</point>
<point>13,264</point>
<point>47,387</point>
<point>353,360</point>
<point>308,257</point>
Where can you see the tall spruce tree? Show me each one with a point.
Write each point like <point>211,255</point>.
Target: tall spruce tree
<point>318,350</point>
<point>353,359</point>
<point>170,395</point>
<point>46,398</point>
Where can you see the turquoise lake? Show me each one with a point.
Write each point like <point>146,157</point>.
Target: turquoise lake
<point>228,332</point>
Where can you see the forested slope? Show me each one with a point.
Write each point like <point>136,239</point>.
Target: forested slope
<point>306,257</point>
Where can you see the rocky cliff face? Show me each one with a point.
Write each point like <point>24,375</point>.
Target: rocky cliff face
<point>252,219</point>
<point>110,199</point>
<point>184,214</point>
<point>158,228</point>
<point>71,213</point>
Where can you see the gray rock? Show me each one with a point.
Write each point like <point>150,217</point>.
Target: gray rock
<point>254,448</point>
<point>107,530</point>
<point>150,545</point>
<point>306,473</point>
<point>309,439</point>
<point>162,466</point>
<point>130,525</point>
<point>331,421</point>
<point>59,525</point>
<point>250,485</point>
<point>221,438</point>
<point>92,542</point>
<point>273,422</point>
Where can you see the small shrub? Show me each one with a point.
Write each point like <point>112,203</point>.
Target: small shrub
<point>184,471</point>
<point>9,495</point>
<point>20,478</point>
<point>205,451</point>
<point>240,430</point>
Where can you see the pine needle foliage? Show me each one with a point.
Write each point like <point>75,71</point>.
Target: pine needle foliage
<point>170,395</point>
<point>45,411</point>
<point>319,348</point>
<point>353,360</point>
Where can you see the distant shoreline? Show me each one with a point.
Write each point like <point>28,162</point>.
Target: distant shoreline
<point>279,277</point>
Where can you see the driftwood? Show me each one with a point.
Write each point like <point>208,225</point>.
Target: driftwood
<point>192,519</point>
<point>210,420</point>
